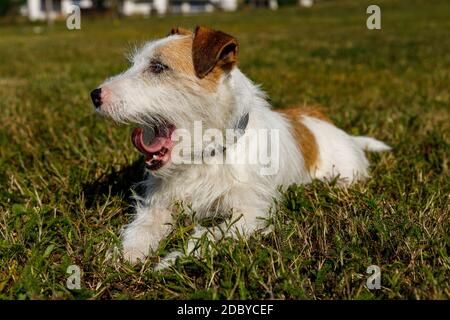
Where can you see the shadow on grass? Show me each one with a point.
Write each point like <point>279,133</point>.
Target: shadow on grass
<point>120,183</point>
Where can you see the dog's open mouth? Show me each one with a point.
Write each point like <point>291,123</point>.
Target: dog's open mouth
<point>155,144</point>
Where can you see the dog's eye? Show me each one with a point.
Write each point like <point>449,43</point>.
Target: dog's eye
<point>157,67</point>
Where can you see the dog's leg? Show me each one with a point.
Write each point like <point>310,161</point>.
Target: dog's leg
<point>150,226</point>
<point>244,222</point>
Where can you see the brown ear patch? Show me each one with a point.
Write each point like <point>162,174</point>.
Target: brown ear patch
<point>177,54</point>
<point>211,48</point>
<point>180,31</point>
<point>304,137</point>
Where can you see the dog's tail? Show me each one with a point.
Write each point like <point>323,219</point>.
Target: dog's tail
<point>371,144</point>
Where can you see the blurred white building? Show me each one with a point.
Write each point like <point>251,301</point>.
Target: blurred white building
<point>36,9</point>
<point>306,3</point>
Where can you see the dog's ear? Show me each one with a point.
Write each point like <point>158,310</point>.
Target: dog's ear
<point>180,31</point>
<point>212,48</point>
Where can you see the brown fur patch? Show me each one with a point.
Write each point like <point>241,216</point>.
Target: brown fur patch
<point>304,137</point>
<point>177,54</point>
<point>313,112</point>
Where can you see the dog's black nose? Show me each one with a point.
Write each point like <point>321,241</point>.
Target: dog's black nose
<point>96,96</point>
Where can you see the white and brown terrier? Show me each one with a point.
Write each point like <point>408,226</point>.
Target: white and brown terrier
<point>188,78</point>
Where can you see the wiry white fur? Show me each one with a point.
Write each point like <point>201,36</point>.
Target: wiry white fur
<point>236,189</point>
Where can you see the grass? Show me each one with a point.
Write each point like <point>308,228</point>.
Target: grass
<point>66,174</point>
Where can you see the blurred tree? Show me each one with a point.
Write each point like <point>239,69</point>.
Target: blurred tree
<point>10,7</point>
<point>287,2</point>
<point>108,7</point>
<point>116,7</point>
<point>99,4</point>
<point>48,11</point>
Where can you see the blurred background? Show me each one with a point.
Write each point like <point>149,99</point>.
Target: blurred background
<point>66,173</point>
<point>38,10</point>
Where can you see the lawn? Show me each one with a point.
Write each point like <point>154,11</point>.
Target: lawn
<point>66,174</point>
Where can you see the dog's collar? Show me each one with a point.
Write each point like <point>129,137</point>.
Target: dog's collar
<point>239,130</point>
<point>242,125</point>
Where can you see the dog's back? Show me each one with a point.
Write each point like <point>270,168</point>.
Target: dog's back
<point>327,150</point>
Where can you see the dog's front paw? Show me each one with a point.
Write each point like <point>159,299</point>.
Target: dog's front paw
<point>134,255</point>
<point>267,230</point>
<point>168,260</point>
<point>137,243</point>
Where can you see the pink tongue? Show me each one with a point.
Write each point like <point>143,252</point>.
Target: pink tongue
<point>138,140</point>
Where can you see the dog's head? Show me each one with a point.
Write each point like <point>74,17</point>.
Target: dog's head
<point>172,83</point>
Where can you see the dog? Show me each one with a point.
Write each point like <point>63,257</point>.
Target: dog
<point>189,81</point>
